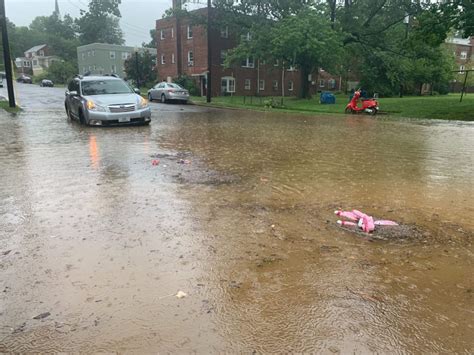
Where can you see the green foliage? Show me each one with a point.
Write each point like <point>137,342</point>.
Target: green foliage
<point>100,23</point>
<point>61,72</point>
<point>152,43</point>
<point>146,68</point>
<point>189,84</point>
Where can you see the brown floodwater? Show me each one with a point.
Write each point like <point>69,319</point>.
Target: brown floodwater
<point>95,235</point>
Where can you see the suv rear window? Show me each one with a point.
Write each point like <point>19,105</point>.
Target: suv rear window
<point>101,87</point>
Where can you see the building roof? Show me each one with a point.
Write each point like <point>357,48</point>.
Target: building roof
<point>460,41</point>
<point>117,47</point>
<point>35,48</point>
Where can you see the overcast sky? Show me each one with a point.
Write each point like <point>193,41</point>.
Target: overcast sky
<point>138,16</point>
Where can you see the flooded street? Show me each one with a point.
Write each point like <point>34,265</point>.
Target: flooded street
<point>95,241</point>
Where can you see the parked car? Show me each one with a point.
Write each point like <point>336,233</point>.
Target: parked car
<point>168,92</point>
<point>24,79</point>
<point>105,101</point>
<point>46,83</point>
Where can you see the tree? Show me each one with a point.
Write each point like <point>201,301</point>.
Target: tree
<point>152,43</point>
<point>146,67</point>
<point>61,72</point>
<point>100,23</point>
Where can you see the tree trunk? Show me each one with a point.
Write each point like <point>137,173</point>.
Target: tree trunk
<point>305,94</point>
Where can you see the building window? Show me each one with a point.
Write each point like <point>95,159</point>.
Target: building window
<point>246,37</point>
<point>461,69</point>
<point>162,34</point>
<point>223,56</point>
<point>247,84</point>
<point>112,55</point>
<point>248,63</point>
<point>190,58</point>
<point>88,53</point>
<point>83,55</point>
<point>93,53</point>
<point>172,32</point>
<point>84,70</point>
<point>35,62</point>
<point>227,84</point>
<point>275,85</point>
<point>225,32</point>
<point>113,69</point>
<point>321,83</point>
<point>172,58</point>
<point>90,67</point>
<point>125,55</point>
<point>463,55</point>
<point>277,63</point>
<point>290,85</point>
<point>163,59</point>
<point>190,32</point>
<point>291,68</point>
<point>261,85</point>
<point>332,83</point>
<point>41,53</point>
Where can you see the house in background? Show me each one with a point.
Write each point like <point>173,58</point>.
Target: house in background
<point>462,49</point>
<point>182,50</point>
<point>103,58</point>
<point>36,60</point>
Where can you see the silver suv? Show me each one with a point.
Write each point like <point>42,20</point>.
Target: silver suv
<point>105,101</point>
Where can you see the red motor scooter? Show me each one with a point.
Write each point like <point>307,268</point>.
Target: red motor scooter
<point>369,106</point>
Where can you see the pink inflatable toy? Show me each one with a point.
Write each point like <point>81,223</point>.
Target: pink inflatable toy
<point>364,221</point>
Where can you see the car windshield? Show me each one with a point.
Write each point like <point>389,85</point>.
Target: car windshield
<point>103,87</point>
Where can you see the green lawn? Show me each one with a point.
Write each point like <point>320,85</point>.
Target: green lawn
<point>446,107</point>
<point>4,105</point>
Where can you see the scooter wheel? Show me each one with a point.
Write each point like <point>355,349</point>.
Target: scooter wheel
<point>348,110</point>
<point>373,112</point>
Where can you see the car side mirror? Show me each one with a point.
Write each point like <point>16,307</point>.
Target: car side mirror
<point>73,93</point>
<point>137,91</point>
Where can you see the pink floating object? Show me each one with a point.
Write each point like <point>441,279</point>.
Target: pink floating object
<point>155,162</point>
<point>364,221</point>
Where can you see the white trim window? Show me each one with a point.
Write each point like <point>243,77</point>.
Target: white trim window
<point>172,32</point>
<point>227,85</point>
<point>331,84</point>
<point>246,37</point>
<point>162,34</point>
<point>113,69</point>
<point>275,85</point>
<point>261,85</point>
<point>463,55</point>
<point>461,69</point>
<point>223,56</point>
<point>83,54</point>
<point>125,55</point>
<point>322,83</point>
<point>290,85</point>
<point>112,54</point>
<point>225,32</point>
<point>93,53</point>
<point>248,63</point>
<point>88,53</point>
<point>247,84</point>
<point>172,58</point>
<point>163,61</point>
<point>190,32</point>
<point>190,59</point>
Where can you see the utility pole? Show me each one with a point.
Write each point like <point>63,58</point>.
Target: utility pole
<point>6,55</point>
<point>209,52</point>
<point>137,68</point>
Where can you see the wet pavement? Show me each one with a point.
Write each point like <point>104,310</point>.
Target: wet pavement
<point>237,212</point>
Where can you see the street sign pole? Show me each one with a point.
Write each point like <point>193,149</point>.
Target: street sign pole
<point>6,55</point>
<point>209,52</point>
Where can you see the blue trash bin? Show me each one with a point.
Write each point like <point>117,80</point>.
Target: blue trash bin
<point>327,98</point>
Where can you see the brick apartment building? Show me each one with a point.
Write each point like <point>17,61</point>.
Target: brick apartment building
<point>182,50</point>
<point>463,52</point>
